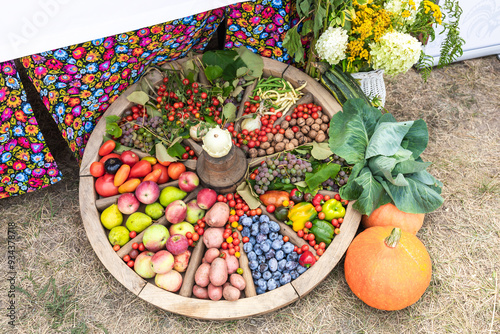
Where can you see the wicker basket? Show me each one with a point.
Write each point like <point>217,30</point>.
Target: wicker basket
<point>372,84</point>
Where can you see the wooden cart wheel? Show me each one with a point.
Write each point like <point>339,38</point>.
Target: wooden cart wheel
<point>182,303</point>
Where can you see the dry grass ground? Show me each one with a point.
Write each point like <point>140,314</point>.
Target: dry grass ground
<point>63,287</point>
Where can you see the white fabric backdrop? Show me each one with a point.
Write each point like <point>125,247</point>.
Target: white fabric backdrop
<point>34,26</point>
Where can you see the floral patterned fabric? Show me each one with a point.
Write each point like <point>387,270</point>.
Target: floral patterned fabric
<point>261,26</point>
<point>78,83</point>
<point>25,161</point>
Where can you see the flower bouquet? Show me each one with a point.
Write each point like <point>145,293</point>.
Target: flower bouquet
<point>366,35</point>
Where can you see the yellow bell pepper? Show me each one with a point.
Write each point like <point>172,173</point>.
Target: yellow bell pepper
<point>300,214</point>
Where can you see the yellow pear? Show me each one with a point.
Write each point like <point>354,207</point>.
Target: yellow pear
<point>111,217</point>
<point>119,235</point>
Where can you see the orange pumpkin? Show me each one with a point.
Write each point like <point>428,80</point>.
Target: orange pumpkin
<point>390,215</point>
<point>387,268</point>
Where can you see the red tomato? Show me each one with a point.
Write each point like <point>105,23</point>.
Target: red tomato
<point>97,169</point>
<point>164,173</point>
<point>111,155</point>
<point>107,147</point>
<point>129,158</point>
<point>105,187</point>
<point>175,169</point>
<point>140,169</point>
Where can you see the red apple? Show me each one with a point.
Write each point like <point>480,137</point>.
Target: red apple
<point>177,244</point>
<point>188,181</point>
<point>181,261</point>
<point>147,192</point>
<point>155,237</point>
<point>162,262</point>
<point>128,203</point>
<point>206,198</point>
<point>175,212</point>
<point>194,212</point>
<point>181,228</point>
<point>171,281</point>
<point>142,265</point>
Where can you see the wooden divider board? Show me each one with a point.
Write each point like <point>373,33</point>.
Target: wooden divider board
<point>193,307</point>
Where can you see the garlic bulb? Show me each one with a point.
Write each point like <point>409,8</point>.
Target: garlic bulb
<point>251,124</point>
<point>217,142</point>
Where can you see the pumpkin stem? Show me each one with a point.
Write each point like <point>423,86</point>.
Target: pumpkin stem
<point>393,239</point>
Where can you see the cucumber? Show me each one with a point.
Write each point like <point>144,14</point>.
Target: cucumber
<point>345,84</point>
<point>353,84</point>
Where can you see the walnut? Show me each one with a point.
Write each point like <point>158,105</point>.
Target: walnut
<point>270,150</point>
<point>320,114</point>
<point>252,153</point>
<point>293,122</point>
<point>318,121</point>
<point>301,121</point>
<point>289,133</point>
<point>312,134</point>
<point>286,141</point>
<point>299,135</point>
<point>279,147</point>
<point>278,137</point>
<point>301,140</point>
<point>307,139</point>
<point>294,142</point>
<point>289,146</point>
<point>285,125</point>
<point>305,129</point>
<point>320,137</point>
<point>324,127</point>
<point>270,136</point>
<point>325,119</point>
<point>315,127</point>
<point>265,145</point>
<point>309,121</point>
<point>261,152</point>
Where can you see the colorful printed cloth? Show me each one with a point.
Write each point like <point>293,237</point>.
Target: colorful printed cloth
<point>78,83</point>
<point>261,26</point>
<point>25,161</point>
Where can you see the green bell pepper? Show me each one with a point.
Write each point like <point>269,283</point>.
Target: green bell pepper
<point>333,209</point>
<point>300,214</point>
<point>323,231</point>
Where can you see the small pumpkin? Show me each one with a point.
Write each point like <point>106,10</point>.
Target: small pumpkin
<point>389,215</point>
<point>387,268</point>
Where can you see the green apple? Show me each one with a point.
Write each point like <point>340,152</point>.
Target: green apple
<point>143,265</point>
<point>170,194</point>
<point>154,210</point>
<point>119,235</point>
<point>111,217</point>
<point>155,237</point>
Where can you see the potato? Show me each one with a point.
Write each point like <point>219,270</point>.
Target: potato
<point>213,237</point>
<point>231,293</point>
<point>218,215</point>
<point>211,254</point>
<point>214,292</point>
<point>232,264</point>
<point>237,281</point>
<point>200,292</point>
<point>218,272</point>
<point>201,277</point>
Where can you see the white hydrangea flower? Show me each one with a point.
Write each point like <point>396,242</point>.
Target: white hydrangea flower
<point>395,52</point>
<point>398,6</point>
<point>331,45</point>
